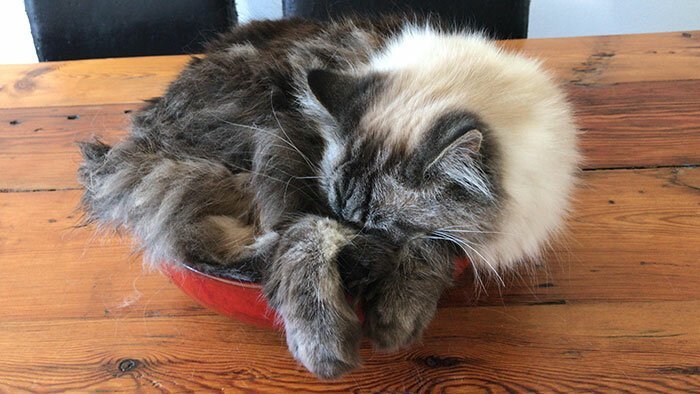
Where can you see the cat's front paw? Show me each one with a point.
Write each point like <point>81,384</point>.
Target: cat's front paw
<point>304,286</point>
<point>395,324</point>
<point>328,351</point>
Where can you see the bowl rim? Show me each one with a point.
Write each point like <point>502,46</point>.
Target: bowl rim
<point>460,266</point>
<point>239,283</point>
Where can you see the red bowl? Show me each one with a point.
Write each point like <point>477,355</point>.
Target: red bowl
<point>242,301</point>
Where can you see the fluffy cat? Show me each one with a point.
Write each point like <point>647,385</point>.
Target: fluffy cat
<point>355,156</point>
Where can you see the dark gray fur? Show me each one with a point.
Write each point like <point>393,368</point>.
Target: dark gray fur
<point>229,138</point>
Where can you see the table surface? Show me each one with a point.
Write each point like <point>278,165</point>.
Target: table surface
<point>615,306</point>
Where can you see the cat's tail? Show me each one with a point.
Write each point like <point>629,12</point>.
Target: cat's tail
<point>94,155</point>
<point>179,209</point>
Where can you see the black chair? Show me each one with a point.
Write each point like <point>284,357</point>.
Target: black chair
<point>83,29</point>
<point>499,18</point>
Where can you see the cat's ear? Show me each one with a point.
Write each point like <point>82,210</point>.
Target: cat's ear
<point>335,91</point>
<point>468,144</point>
<point>454,136</point>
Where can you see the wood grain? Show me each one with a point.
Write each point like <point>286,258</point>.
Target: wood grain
<point>38,145</point>
<point>563,348</point>
<point>611,254</point>
<point>625,125</point>
<point>87,82</point>
<point>582,60</point>
<point>639,124</point>
<point>613,307</point>
<point>617,59</point>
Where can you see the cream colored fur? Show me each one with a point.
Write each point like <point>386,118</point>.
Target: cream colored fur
<point>431,73</point>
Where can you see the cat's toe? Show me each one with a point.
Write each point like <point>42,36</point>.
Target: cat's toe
<point>390,337</point>
<point>328,356</point>
<point>332,368</point>
<point>392,329</point>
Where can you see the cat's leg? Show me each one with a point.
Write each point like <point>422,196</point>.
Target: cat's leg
<point>304,285</point>
<point>400,305</point>
<point>183,209</point>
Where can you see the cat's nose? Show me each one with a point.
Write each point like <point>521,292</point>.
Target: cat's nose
<point>374,220</point>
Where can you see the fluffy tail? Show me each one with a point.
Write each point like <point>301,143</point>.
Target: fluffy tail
<point>94,156</point>
<point>180,209</point>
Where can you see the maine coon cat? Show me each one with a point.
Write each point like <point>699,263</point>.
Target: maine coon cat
<point>355,156</point>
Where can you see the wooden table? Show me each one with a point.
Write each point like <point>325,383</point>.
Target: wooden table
<point>615,307</point>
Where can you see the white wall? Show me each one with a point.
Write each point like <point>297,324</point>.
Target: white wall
<point>258,9</point>
<point>548,18</point>
<point>566,18</point>
<point>16,45</point>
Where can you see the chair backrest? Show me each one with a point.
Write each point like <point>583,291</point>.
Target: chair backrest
<point>83,29</point>
<point>499,18</point>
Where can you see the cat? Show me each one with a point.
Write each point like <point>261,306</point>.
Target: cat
<point>354,156</point>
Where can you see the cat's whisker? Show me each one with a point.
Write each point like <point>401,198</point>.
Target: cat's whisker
<point>464,243</point>
<point>307,177</point>
<point>286,140</point>
<point>289,140</point>
<point>477,277</point>
<point>469,229</point>
<point>257,173</point>
<point>472,231</point>
<point>286,182</point>
<point>284,193</point>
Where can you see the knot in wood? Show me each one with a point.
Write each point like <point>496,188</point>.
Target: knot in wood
<point>128,364</point>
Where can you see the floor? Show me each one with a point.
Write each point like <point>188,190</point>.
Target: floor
<point>614,307</point>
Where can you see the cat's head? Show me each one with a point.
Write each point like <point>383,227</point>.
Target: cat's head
<point>448,132</point>
<point>439,174</point>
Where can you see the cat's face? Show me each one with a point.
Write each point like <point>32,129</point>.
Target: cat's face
<point>443,182</point>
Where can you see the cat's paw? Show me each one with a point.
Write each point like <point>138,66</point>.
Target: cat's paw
<point>328,351</point>
<point>392,326</point>
<point>304,286</point>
